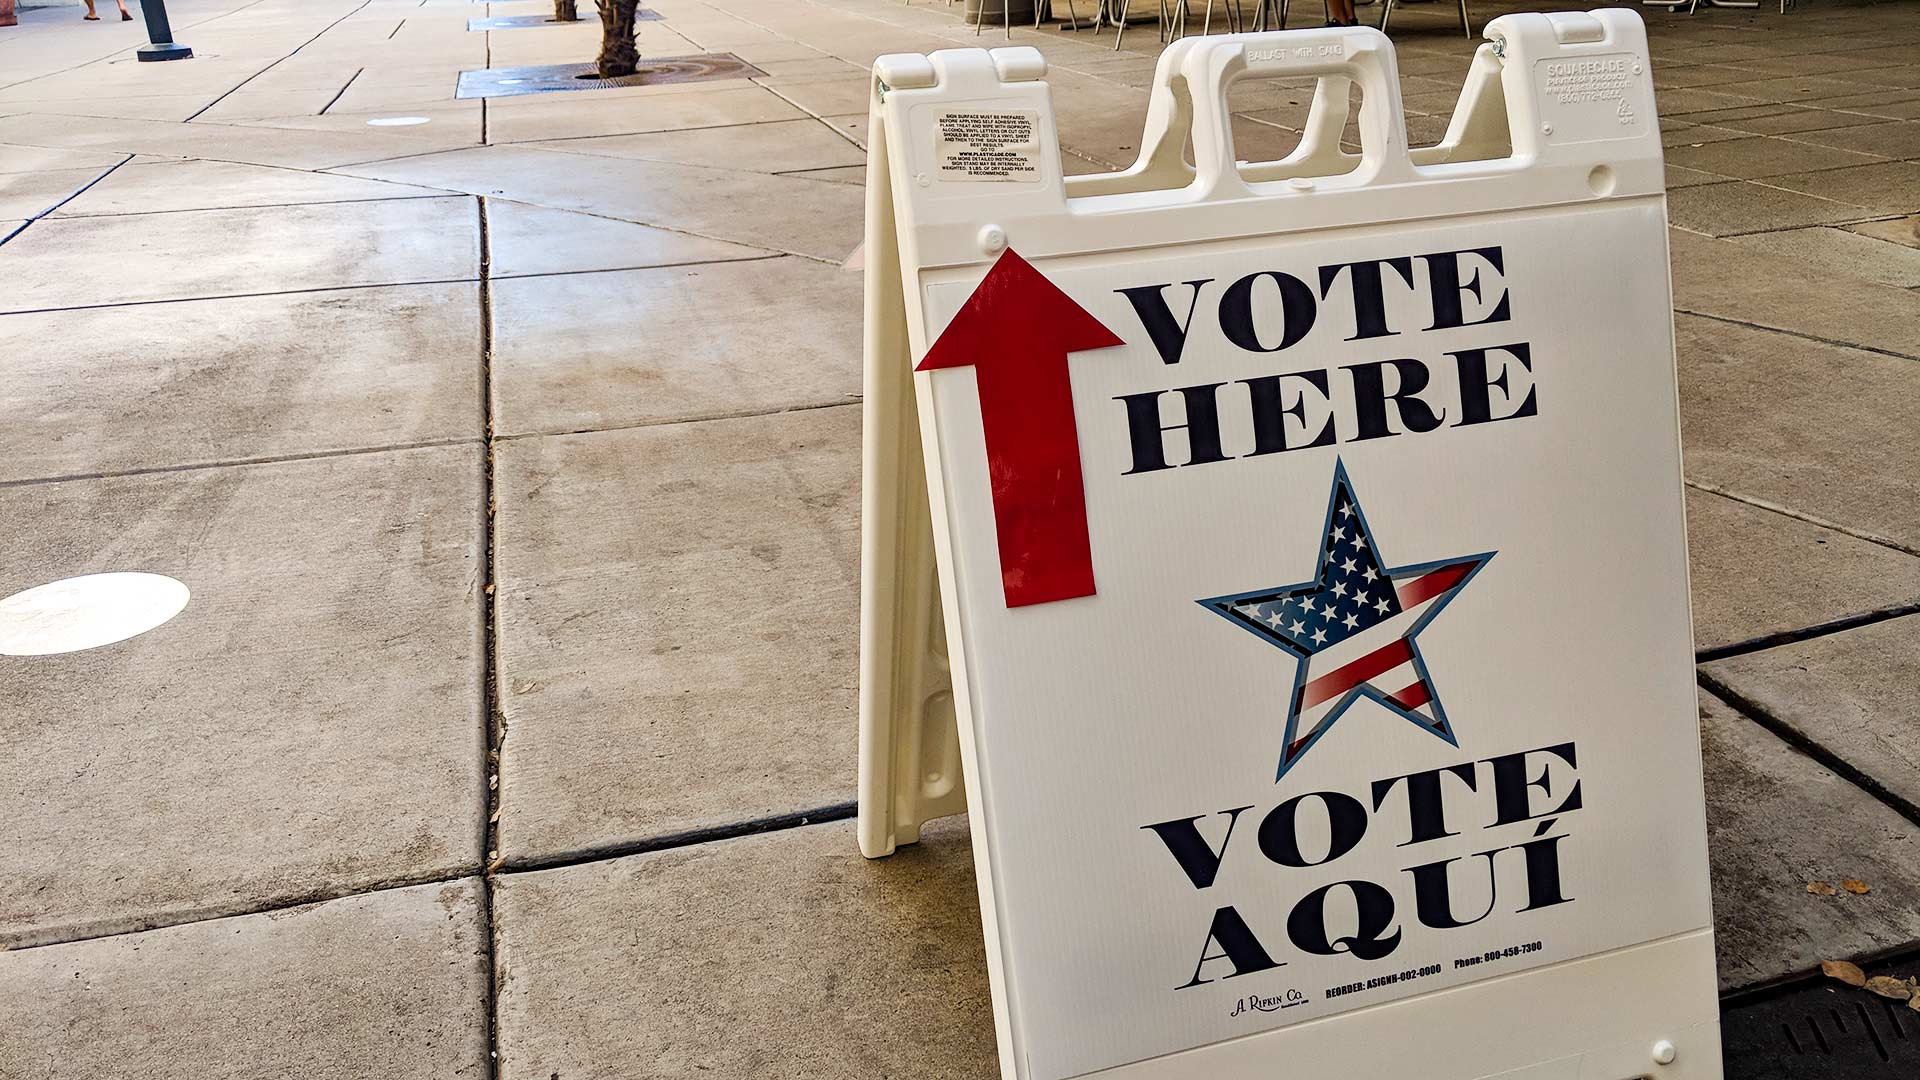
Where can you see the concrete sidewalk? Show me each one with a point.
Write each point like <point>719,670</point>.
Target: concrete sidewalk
<point>512,456</point>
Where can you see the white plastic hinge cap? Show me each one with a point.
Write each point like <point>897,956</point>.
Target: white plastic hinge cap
<point>1018,63</point>
<point>993,239</point>
<point>905,71</point>
<point>1664,1052</point>
<point>1576,27</point>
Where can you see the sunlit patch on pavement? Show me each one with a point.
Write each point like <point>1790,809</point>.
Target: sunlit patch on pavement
<point>87,612</point>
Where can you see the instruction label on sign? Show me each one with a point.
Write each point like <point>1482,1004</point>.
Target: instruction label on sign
<point>991,146</point>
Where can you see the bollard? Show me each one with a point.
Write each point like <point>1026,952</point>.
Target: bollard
<point>160,34</point>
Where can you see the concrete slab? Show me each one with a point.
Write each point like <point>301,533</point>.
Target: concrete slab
<point>1762,156</point>
<point>389,984</point>
<point>201,253</point>
<point>367,96</point>
<point>1730,117</point>
<point>1905,76</point>
<point>526,240</point>
<point>1888,104</point>
<point>779,146</point>
<point>221,142</point>
<point>677,613</point>
<point>1760,795</point>
<point>791,936</point>
<point>1814,450</point>
<point>584,351</point>
<point>29,194</point>
<point>1889,188</point>
<point>761,53</point>
<point>1899,139</point>
<point>563,116</point>
<point>1731,281</point>
<point>1683,133</point>
<point>146,187</point>
<point>236,379</point>
<point>1843,253</point>
<point>1799,119</point>
<point>1757,572</point>
<point>310,725</point>
<point>1679,177</point>
<point>1678,102</point>
<point>857,174</point>
<point>823,65</point>
<point>172,108</point>
<point>1798,87</point>
<point>448,125</point>
<point>816,218</point>
<point>1851,693</point>
<point>15,158</point>
<point>250,102</point>
<point>1731,209</point>
<point>825,95</point>
<point>1903,231</point>
<point>1681,76</point>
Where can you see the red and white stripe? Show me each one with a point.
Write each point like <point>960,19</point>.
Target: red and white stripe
<point>1380,655</point>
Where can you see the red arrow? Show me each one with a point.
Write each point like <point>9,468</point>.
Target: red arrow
<point>1016,331</point>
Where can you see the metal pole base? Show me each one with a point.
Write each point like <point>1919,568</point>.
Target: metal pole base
<point>171,50</point>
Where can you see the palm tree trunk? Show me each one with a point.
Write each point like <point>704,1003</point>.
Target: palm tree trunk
<point>618,55</point>
<point>564,11</point>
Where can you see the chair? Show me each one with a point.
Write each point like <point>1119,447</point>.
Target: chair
<point>1466,21</point>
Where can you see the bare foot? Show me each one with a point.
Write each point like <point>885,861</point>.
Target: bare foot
<point>125,15</point>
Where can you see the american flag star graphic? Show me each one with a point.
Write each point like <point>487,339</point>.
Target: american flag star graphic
<point>1352,627</point>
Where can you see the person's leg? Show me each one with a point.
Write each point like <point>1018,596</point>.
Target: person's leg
<point>1341,13</point>
<point>125,15</point>
<point>91,15</point>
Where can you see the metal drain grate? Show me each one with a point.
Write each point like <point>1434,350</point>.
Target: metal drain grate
<point>1820,1030</point>
<point>654,70</point>
<point>515,22</point>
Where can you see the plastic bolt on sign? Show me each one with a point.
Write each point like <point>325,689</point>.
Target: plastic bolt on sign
<point>1285,563</point>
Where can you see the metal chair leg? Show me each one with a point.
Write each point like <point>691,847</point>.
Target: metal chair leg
<point>1466,20</point>
<point>1386,12</point>
<point>1122,31</point>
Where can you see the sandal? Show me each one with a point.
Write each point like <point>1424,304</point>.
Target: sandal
<point>126,16</point>
<point>89,18</point>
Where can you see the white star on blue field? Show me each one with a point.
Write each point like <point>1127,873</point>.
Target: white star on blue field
<point>1351,627</point>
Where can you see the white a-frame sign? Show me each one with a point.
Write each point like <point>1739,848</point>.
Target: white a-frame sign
<point>1285,564</point>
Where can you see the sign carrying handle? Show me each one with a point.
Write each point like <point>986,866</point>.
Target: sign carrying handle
<point>1361,54</point>
<point>1478,131</point>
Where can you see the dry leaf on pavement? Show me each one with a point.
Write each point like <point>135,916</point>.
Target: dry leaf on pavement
<point>1844,971</point>
<point>1821,888</point>
<point>1888,987</point>
<point>1856,886</point>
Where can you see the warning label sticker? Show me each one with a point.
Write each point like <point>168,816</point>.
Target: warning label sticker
<point>991,146</point>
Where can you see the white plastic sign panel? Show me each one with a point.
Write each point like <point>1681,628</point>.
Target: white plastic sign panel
<point>1311,547</point>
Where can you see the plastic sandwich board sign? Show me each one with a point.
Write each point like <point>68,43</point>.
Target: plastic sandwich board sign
<point>1284,562</point>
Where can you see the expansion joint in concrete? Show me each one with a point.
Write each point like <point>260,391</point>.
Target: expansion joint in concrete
<point>1806,633</point>
<point>494,721</point>
<point>1797,739</point>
